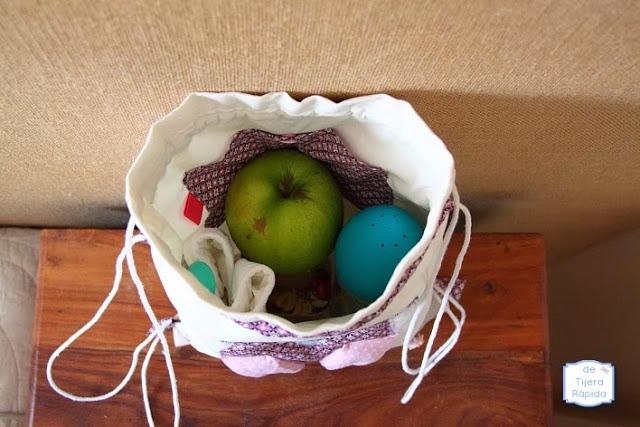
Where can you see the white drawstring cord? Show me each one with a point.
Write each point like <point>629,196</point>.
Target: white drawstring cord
<point>430,360</point>
<point>156,335</point>
<point>143,379</point>
<point>424,303</point>
<point>133,272</point>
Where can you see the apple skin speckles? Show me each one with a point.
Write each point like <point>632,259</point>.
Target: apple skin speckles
<point>259,224</point>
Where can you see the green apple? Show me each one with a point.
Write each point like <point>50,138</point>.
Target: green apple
<point>284,210</point>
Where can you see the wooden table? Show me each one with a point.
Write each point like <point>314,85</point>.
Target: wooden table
<point>497,374</point>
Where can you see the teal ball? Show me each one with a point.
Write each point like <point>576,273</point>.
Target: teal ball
<point>370,246</point>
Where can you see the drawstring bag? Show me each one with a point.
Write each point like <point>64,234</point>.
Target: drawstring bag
<point>378,149</point>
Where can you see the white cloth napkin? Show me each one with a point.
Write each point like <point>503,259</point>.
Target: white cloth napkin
<point>212,246</point>
<point>247,285</point>
<point>252,285</point>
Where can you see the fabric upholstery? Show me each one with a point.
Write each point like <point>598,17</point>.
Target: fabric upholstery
<point>538,101</point>
<point>18,266</point>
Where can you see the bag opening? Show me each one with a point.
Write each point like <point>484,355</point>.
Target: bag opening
<point>379,130</point>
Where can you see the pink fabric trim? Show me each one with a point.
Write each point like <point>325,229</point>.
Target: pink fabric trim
<point>358,353</point>
<point>260,366</point>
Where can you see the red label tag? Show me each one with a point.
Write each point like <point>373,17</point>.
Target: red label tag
<point>193,209</point>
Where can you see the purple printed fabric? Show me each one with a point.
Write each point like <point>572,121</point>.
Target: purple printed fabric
<point>456,290</point>
<point>446,210</point>
<point>266,328</point>
<point>362,184</point>
<point>308,352</point>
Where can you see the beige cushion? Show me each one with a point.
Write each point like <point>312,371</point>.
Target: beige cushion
<point>18,266</point>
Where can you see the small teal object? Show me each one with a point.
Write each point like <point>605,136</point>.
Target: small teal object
<point>370,246</point>
<point>204,275</point>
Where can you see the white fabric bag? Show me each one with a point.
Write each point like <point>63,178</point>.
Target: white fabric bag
<point>379,130</point>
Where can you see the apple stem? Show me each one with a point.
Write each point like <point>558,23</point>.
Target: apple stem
<point>289,188</point>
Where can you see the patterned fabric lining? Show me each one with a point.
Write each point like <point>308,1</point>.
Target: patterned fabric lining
<point>362,184</point>
<point>266,329</point>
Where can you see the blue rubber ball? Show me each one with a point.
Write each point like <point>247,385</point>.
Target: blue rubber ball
<point>370,246</point>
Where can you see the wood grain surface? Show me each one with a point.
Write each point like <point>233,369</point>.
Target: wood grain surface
<point>498,374</point>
